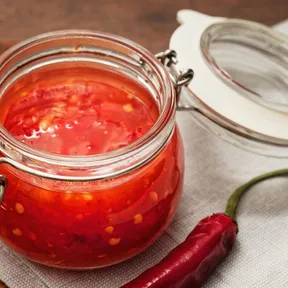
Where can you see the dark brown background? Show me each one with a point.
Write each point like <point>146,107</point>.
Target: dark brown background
<point>148,22</point>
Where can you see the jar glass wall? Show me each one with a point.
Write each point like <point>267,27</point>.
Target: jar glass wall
<point>84,212</point>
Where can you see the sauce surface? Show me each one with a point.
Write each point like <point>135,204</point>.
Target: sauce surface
<point>80,116</point>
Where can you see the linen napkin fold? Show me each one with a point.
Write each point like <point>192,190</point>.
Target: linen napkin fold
<point>214,169</point>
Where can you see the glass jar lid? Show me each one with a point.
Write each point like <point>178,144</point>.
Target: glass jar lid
<point>240,81</point>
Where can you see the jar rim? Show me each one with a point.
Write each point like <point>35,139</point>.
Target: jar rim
<point>133,150</point>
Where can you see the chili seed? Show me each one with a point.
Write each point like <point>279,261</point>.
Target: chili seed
<point>67,196</point>
<point>19,208</point>
<point>138,218</point>
<point>114,241</point>
<point>73,99</point>
<point>17,232</point>
<point>153,196</point>
<point>109,229</point>
<point>128,108</point>
<point>44,124</point>
<point>87,197</point>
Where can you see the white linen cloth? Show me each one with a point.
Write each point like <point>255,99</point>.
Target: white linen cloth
<point>214,169</point>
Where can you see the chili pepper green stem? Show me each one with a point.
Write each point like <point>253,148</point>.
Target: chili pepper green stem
<point>233,201</point>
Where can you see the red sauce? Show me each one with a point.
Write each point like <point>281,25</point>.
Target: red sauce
<point>80,116</point>
<point>83,114</point>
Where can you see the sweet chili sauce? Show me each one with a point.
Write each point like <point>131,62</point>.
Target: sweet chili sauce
<point>79,112</point>
<point>87,115</point>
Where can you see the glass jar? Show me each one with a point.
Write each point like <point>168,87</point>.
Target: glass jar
<point>84,212</point>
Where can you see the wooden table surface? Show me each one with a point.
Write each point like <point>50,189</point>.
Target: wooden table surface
<point>148,22</point>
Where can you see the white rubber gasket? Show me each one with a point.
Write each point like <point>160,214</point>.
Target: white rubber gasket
<point>212,90</point>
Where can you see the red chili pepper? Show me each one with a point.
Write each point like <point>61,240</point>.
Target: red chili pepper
<point>191,263</point>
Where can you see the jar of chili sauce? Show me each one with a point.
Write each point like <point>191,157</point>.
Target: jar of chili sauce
<point>91,164</point>
<point>91,159</point>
